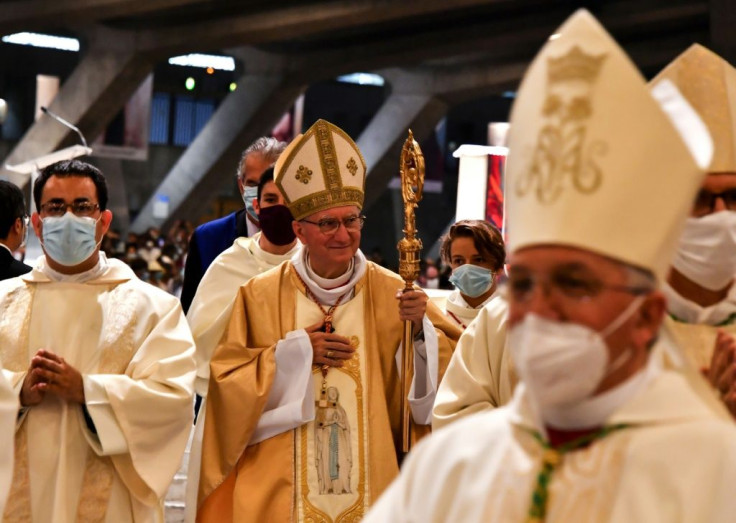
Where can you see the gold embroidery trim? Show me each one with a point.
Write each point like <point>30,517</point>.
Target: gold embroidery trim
<point>328,157</point>
<point>17,312</point>
<point>15,317</point>
<point>356,511</point>
<point>18,507</point>
<point>94,497</point>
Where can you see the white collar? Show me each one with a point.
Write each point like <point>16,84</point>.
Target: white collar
<point>6,248</point>
<point>80,277</point>
<point>250,243</point>
<point>690,312</point>
<point>594,411</point>
<point>327,291</point>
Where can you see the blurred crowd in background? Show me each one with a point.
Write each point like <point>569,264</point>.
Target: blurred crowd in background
<point>155,257</point>
<point>158,258</point>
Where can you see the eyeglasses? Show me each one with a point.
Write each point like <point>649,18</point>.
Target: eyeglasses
<point>78,208</point>
<point>329,226</point>
<point>706,201</point>
<point>571,287</point>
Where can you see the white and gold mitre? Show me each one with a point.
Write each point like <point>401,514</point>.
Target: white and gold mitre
<point>594,161</point>
<point>321,169</point>
<point>708,82</point>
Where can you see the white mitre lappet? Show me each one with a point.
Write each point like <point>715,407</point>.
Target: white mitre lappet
<point>708,82</point>
<point>320,169</point>
<point>598,160</point>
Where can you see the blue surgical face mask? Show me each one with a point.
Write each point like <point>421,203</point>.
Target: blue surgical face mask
<point>249,194</point>
<point>471,280</point>
<point>26,223</point>
<point>69,239</point>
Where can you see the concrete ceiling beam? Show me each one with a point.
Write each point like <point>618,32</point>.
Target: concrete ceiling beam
<point>33,15</point>
<point>296,22</point>
<point>92,95</point>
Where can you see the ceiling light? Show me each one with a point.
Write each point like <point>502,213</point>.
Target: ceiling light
<point>43,40</point>
<point>223,63</point>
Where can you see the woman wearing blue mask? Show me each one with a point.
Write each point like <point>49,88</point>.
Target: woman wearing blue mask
<point>475,251</point>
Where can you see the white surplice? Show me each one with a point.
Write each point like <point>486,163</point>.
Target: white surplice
<point>676,461</point>
<point>211,307</point>
<point>458,310</point>
<point>480,375</point>
<point>134,349</point>
<point>8,414</point>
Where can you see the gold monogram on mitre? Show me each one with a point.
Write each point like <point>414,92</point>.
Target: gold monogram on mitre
<point>561,152</point>
<point>575,65</point>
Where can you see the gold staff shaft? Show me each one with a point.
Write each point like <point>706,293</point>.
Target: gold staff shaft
<point>411,170</point>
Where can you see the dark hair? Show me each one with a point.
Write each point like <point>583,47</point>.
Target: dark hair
<point>67,168</point>
<point>266,177</point>
<point>486,238</point>
<point>12,206</point>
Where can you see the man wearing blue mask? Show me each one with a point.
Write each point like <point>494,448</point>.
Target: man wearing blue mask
<point>101,362</point>
<point>211,238</point>
<point>603,423</point>
<point>13,229</point>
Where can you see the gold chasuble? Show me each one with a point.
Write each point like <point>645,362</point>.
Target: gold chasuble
<point>333,467</point>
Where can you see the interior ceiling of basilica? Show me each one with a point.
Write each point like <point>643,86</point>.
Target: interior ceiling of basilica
<point>434,54</point>
<point>444,37</point>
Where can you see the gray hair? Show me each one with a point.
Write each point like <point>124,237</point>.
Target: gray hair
<point>269,148</point>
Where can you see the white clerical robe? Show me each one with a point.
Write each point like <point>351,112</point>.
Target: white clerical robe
<point>675,461</point>
<point>134,349</point>
<point>480,375</point>
<point>458,310</point>
<point>212,305</point>
<point>8,415</point>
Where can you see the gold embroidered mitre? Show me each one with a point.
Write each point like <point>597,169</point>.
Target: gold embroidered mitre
<point>594,160</point>
<point>708,82</point>
<point>321,169</point>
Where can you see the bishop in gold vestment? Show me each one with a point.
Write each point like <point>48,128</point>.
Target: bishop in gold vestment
<point>300,424</point>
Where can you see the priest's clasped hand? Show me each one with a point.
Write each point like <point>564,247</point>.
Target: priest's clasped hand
<point>412,306</point>
<point>722,371</point>
<point>50,373</point>
<point>328,348</point>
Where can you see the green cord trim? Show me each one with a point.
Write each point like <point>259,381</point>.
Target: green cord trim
<point>551,458</point>
<point>728,321</point>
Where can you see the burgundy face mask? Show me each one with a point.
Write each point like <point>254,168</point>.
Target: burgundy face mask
<point>276,224</point>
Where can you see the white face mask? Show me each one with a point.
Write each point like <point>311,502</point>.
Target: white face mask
<point>563,363</point>
<point>707,251</point>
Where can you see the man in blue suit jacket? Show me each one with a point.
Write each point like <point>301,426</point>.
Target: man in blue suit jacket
<point>211,238</point>
<point>13,229</point>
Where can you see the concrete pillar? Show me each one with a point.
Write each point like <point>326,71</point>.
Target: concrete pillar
<point>102,82</point>
<point>212,158</point>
